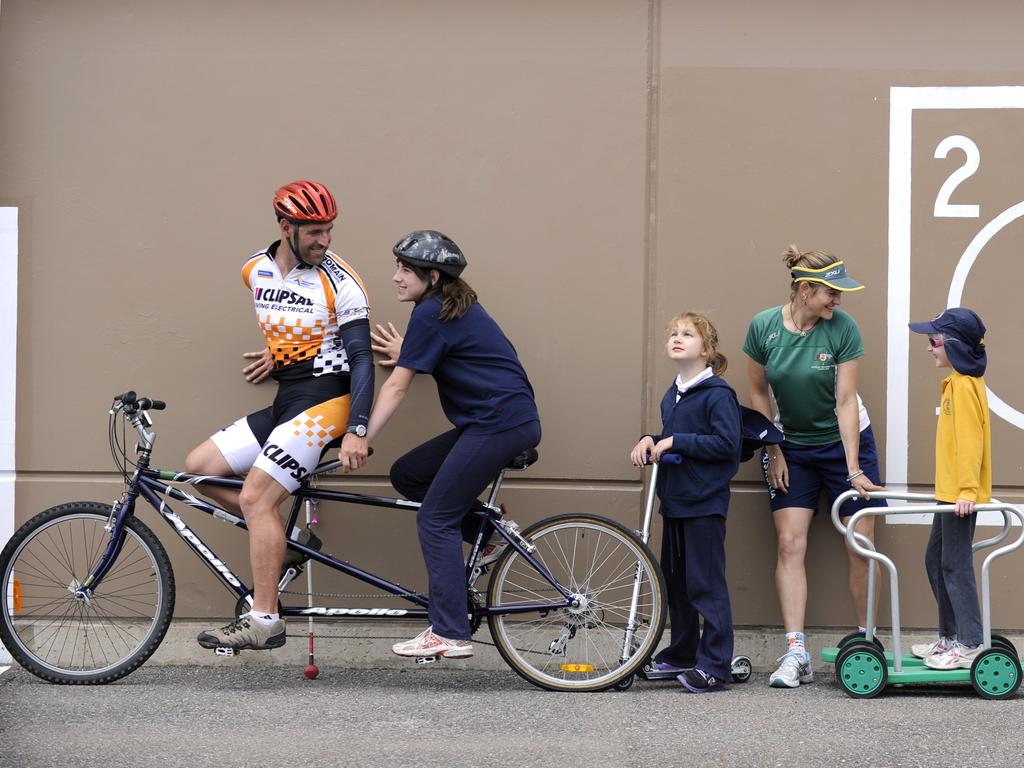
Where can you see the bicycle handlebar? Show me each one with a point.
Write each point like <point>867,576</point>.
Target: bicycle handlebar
<point>131,400</point>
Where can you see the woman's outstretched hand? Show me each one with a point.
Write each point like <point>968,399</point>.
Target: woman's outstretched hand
<point>387,341</point>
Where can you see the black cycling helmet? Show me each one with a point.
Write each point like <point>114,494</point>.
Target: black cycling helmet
<point>428,249</point>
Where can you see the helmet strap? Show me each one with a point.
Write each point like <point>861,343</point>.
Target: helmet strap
<point>294,244</point>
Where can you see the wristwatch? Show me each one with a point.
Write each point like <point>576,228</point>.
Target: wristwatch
<point>358,430</point>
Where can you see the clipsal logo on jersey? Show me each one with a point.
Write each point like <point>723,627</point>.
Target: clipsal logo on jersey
<point>280,296</point>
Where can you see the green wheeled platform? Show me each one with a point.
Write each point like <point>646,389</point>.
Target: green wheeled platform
<point>863,667</point>
<point>863,671</point>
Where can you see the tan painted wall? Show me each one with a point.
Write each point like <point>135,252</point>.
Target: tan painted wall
<point>604,165</point>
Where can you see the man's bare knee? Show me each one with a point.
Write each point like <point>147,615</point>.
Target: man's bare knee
<point>261,495</point>
<point>254,503</point>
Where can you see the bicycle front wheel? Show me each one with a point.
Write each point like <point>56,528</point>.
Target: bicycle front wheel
<point>77,639</point>
<point>617,613</point>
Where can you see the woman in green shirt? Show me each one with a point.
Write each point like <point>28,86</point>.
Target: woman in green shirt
<point>803,358</point>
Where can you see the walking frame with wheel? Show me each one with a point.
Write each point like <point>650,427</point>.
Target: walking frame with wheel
<point>864,667</point>
<point>742,667</point>
<point>574,603</point>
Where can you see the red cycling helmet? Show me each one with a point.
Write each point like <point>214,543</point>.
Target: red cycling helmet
<point>305,202</point>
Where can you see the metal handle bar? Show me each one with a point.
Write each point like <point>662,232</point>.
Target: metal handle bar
<point>853,539</point>
<point>645,525</point>
<point>329,467</point>
<point>864,541</point>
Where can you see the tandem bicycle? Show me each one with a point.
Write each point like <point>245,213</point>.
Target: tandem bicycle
<point>576,602</point>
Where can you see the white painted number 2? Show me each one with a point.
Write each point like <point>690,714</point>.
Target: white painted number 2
<point>943,208</point>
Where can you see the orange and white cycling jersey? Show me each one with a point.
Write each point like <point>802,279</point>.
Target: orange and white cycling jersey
<point>300,313</point>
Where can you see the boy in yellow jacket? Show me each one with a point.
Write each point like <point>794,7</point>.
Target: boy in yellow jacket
<point>963,476</point>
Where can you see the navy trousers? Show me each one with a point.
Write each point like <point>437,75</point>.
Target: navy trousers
<point>446,475</point>
<point>950,566</point>
<point>693,561</point>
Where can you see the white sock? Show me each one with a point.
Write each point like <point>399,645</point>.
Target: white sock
<point>266,619</point>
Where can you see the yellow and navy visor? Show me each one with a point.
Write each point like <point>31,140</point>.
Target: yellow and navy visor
<point>834,276</point>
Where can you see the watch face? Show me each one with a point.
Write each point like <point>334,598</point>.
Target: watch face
<point>359,431</point>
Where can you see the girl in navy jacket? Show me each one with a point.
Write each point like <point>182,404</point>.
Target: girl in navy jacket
<point>487,397</point>
<point>700,422</point>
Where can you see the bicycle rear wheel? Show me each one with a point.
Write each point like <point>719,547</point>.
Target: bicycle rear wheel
<point>584,647</point>
<point>66,639</point>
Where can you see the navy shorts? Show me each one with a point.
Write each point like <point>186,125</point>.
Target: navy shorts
<point>814,468</point>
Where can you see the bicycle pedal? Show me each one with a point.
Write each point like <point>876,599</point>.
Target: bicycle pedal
<point>225,651</point>
<point>427,659</point>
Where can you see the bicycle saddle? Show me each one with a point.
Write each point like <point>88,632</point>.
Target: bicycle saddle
<point>524,459</point>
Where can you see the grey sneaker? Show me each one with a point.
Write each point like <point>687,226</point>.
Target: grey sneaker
<point>924,650</point>
<point>794,670</point>
<point>295,558</point>
<point>244,633</point>
<point>489,553</point>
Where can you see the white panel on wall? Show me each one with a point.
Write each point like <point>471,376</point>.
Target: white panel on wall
<point>8,374</point>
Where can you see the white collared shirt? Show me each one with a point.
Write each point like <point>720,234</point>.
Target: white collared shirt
<point>683,386</point>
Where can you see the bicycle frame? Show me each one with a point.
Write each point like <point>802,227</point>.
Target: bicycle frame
<point>152,485</point>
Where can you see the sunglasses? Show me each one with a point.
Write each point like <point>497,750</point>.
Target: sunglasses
<point>934,341</point>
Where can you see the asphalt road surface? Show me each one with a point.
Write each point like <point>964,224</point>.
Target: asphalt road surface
<point>441,715</point>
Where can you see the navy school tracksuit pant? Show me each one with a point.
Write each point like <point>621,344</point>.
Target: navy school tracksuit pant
<point>693,561</point>
<point>446,475</point>
<point>950,568</point>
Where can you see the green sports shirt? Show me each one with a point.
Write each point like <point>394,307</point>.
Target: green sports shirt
<point>801,370</point>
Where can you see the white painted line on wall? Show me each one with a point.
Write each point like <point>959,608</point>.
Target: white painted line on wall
<point>902,103</point>
<point>8,376</point>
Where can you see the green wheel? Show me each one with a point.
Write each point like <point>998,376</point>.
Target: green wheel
<point>861,670</point>
<point>1002,641</point>
<point>995,673</point>
<point>854,637</point>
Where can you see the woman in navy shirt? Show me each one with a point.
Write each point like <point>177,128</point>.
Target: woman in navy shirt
<point>485,394</point>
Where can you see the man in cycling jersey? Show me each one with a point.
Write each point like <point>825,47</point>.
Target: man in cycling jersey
<point>314,313</point>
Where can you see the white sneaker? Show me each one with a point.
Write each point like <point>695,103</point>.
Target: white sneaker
<point>426,643</point>
<point>957,657</point>
<point>794,670</point>
<point>924,650</point>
